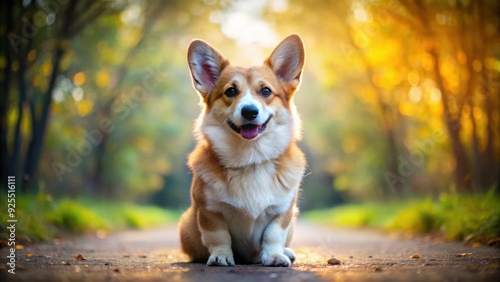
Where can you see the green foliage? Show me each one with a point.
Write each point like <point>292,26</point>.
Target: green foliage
<point>470,215</point>
<point>42,218</point>
<point>74,217</point>
<point>356,215</point>
<point>455,216</point>
<point>420,217</point>
<point>127,215</point>
<point>31,213</point>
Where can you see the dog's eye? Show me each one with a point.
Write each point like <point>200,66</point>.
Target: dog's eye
<point>265,92</point>
<point>230,92</point>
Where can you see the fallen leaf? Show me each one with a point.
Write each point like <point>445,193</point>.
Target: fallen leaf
<point>464,254</point>
<point>415,256</point>
<point>79,257</point>
<point>29,255</point>
<point>333,261</point>
<point>476,244</point>
<point>19,247</point>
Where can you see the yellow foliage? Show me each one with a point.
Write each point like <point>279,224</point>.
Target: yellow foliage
<point>65,63</point>
<point>415,94</point>
<point>37,81</point>
<point>461,57</point>
<point>436,108</point>
<point>350,144</point>
<point>84,107</point>
<point>427,62</point>
<point>361,39</point>
<point>144,144</point>
<point>405,108</point>
<point>368,95</point>
<point>342,182</point>
<point>46,68</point>
<point>32,55</point>
<point>388,80</point>
<point>383,53</point>
<point>477,66</point>
<point>102,78</point>
<point>79,79</point>
<point>435,95</point>
<point>413,78</point>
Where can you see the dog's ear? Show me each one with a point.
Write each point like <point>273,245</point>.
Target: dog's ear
<point>287,60</point>
<point>206,65</point>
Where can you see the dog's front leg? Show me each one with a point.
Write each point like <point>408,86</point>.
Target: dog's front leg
<point>274,252</point>
<point>215,236</point>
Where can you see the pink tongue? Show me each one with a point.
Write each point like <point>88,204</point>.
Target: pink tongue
<point>249,132</point>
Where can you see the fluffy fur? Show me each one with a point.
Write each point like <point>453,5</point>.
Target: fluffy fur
<point>246,165</point>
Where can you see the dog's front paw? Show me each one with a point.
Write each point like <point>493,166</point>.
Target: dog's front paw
<point>276,258</point>
<point>290,254</point>
<point>221,259</point>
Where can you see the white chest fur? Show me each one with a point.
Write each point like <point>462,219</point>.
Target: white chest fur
<point>253,190</point>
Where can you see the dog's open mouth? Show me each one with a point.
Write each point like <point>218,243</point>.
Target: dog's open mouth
<point>249,130</point>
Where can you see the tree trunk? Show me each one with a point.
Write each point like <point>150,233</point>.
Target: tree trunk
<point>490,172</point>
<point>9,11</point>
<point>462,173</point>
<point>15,158</point>
<point>452,122</point>
<point>36,143</point>
<point>395,188</point>
<point>99,171</point>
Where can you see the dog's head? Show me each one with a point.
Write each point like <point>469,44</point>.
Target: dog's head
<point>248,105</point>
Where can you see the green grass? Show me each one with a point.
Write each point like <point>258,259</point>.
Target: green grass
<point>42,218</point>
<point>456,217</point>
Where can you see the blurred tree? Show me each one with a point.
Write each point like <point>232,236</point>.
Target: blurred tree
<point>474,26</point>
<point>398,97</point>
<point>46,27</point>
<point>416,74</point>
<point>133,103</point>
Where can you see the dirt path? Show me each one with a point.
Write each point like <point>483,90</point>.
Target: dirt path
<point>153,255</point>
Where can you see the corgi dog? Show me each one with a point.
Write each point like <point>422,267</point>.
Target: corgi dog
<point>246,165</point>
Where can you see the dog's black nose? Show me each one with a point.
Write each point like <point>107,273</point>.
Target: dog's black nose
<point>249,112</point>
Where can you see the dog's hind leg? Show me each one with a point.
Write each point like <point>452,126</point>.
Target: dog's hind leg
<point>191,237</point>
